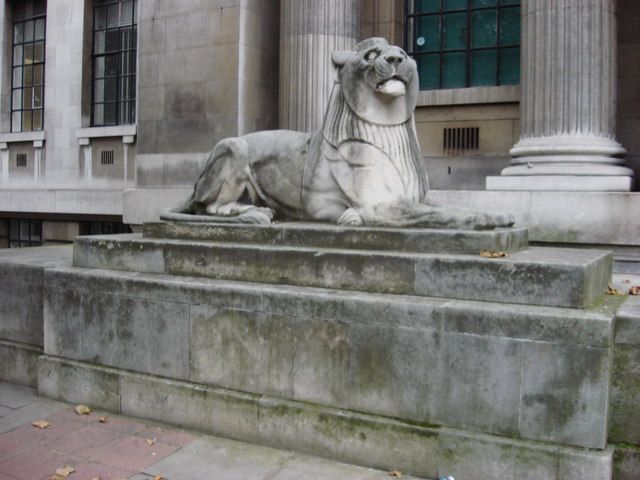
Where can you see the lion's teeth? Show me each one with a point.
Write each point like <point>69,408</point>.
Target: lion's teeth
<point>392,87</point>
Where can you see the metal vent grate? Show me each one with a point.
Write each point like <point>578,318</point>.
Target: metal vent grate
<point>460,140</point>
<point>21,160</point>
<point>106,157</point>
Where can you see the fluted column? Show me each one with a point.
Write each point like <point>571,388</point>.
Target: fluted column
<point>568,101</point>
<point>309,31</point>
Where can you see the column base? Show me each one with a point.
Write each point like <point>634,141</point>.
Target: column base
<point>562,183</point>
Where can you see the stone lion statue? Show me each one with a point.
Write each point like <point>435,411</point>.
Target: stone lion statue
<point>362,168</point>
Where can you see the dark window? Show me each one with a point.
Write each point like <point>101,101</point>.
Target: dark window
<point>103,228</point>
<point>25,233</point>
<point>464,43</point>
<point>21,160</point>
<point>114,62</point>
<point>27,78</point>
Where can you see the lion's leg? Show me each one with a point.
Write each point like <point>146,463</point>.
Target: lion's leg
<point>412,214</point>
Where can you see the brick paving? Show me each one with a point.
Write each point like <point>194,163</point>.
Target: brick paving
<point>125,448</point>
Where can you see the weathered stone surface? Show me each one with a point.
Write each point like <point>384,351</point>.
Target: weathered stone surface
<point>625,384</point>
<point>18,363</point>
<point>338,434</point>
<point>626,463</point>
<point>334,236</point>
<point>538,276</point>
<point>446,362</point>
<point>21,290</point>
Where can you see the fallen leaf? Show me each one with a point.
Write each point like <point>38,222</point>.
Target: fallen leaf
<point>613,291</point>
<point>158,477</point>
<point>492,254</point>
<point>64,472</point>
<point>395,473</point>
<point>56,477</point>
<point>151,441</point>
<point>40,424</point>
<point>635,290</point>
<point>83,410</point>
<point>103,419</point>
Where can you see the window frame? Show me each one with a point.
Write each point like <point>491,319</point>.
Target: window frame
<point>33,18</point>
<point>132,76</point>
<point>19,241</point>
<point>410,22</point>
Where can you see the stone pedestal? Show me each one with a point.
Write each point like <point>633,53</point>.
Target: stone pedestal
<point>309,31</point>
<point>567,139</point>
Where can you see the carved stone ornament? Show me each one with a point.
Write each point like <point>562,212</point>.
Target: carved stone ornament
<point>362,168</point>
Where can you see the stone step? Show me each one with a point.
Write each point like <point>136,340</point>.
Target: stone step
<point>538,276</point>
<point>351,238</point>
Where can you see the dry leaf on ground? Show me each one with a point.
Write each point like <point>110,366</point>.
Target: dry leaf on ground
<point>151,441</point>
<point>395,473</point>
<point>613,291</point>
<point>158,477</point>
<point>64,472</point>
<point>492,254</point>
<point>103,419</point>
<point>40,423</point>
<point>635,290</point>
<point>83,410</point>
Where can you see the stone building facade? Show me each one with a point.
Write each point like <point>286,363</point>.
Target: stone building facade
<point>519,98</point>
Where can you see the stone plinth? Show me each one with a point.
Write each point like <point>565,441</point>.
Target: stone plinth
<point>568,115</point>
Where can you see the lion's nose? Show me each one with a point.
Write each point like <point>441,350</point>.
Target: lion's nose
<point>393,59</point>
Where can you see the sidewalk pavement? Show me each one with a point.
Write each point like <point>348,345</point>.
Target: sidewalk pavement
<point>112,447</point>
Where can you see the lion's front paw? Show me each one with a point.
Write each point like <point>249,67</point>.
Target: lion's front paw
<point>486,221</point>
<point>350,217</point>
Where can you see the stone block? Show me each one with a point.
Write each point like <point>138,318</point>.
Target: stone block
<point>118,253</point>
<point>122,331</point>
<point>479,383</point>
<point>76,382</point>
<point>536,276</point>
<point>576,465</point>
<point>19,363</point>
<point>626,463</point>
<point>565,394</point>
<point>334,236</point>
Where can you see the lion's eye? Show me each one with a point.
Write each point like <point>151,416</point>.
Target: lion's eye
<point>372,55</point>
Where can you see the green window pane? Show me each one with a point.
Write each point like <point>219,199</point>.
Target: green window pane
<point>484,65</point>
<point>509,73</point>
<point>428,34</point>
<point>484,28</point>
<point>428,71</point>
<point>483,3</point>
<point>449,5</point>
<point>454,69</point>
<point>510,2</point>
<point>455,31</point>
<point>427,6</point>
<point>510,26</point>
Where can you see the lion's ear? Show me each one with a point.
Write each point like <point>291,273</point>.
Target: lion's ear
<point>340,57</point>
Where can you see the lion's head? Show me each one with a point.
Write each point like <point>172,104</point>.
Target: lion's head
<point>379,81</point>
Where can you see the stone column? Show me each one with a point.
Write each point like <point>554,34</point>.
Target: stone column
<point>309,31</point>
<point>568,101</point>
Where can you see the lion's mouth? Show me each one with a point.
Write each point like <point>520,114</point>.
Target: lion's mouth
<point>393,86</point>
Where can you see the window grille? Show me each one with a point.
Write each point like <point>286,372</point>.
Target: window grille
<point>106,157</point>
<point>21,160</point>
<point>28,58</point>
<point>459,140</point>
<point>464,43</point>
<point>114,62</point>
